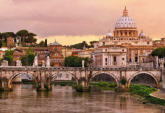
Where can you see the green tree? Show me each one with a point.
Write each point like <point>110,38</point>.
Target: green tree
<point>160,52</point>
<point>83,44</point>
<point>41,44</point>
<point>92,43</point>
<point>74,61</point>
<point>23,34</point>
<point>28,59</point>
<point>26,36</point>
<point>0,36</point>
<point>5,35</point>
<point>80,45</point>
<point>31,38</point>
<point>46,43</point>
<point>0,43</point>
<point>8,56</point>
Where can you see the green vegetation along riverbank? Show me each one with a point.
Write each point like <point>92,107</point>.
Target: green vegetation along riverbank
<point>144,93</point>
<point>141,91</point>
<point>104,85</point>
<point>101,85</point>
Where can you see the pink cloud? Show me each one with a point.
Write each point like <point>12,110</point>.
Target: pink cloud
<point>79,17</point>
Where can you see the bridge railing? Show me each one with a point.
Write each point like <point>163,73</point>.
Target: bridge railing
<point>78,68</point>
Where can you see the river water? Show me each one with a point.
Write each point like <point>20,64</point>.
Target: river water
<point>24,99</point>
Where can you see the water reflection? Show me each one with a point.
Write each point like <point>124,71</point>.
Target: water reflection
<point>25,99</point>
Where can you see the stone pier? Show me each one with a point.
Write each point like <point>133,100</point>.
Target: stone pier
<point>163,78</point>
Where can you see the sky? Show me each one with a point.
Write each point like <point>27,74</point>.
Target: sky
<point>72,21</point>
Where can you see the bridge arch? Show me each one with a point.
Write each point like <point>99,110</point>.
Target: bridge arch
<point>58,75</point>
<point>149,74</point>
<point>106,73</point>
<point>20,74</point>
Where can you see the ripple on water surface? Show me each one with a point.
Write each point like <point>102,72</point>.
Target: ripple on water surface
<point>24,99</point>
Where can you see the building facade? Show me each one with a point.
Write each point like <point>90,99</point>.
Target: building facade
<point>10,42</point>
<point>54,51</point>
<point>56,56</point>
<point>125,46</point>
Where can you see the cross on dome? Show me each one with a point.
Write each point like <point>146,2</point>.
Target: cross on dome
<point>125,12</point>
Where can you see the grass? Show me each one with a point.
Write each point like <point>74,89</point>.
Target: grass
<point>66,83</point>
<point>101,85</point>
<point>144,92</point>
<point>104,85</point>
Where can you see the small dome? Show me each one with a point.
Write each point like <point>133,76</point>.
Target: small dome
<point>109,35</point>
<point>55,43</point>
<point>125,21</point>
<point>142,34</point>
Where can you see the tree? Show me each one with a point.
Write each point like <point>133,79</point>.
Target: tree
<point>23,34</point>
<point>31,38</point>
<point>26,36</point>
<point>9,56</point>
<point>82,45</point>
<point>0,36</point>
<point>28,59</point>
<point>74,61</point>
<point>46,43</point>
<point>41,44</point>
<point>0,43</point>
<point>92,43</point>
<point>5,35</point>
<point>160,52</point>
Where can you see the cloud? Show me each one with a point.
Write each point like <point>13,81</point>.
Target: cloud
<point>79,17</point>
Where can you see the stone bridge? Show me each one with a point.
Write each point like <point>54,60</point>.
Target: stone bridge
<point>43,76</point>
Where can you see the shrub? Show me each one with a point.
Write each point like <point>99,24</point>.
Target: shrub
<point>123,81</point>
<point>79,88</point>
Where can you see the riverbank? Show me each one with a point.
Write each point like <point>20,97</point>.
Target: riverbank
<point>159,94</point>
<point>144,94</point>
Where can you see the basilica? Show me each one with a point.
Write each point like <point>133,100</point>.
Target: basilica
<point>125,46</point>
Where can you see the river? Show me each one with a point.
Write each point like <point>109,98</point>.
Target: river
<point>25,99</point>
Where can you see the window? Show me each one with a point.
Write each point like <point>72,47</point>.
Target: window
<point>106,59</point>
<point>114,58</point>
<point>136,59</point>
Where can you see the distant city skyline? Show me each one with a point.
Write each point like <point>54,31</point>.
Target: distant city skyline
<point>70,21</point>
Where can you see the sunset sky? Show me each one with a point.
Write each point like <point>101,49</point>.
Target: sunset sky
<point>72,21</point>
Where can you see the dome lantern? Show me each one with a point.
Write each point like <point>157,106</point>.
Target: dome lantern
<point>125,12</point>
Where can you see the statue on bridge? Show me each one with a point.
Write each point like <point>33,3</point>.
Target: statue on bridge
<point>48,61</point>
<point>18,63</point>
<point>43,63</point>
<point>4,63</point>
<point>35,63</point>
<point>83,62</point>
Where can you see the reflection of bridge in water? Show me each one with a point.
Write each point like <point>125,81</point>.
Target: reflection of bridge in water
<point>43,76</point>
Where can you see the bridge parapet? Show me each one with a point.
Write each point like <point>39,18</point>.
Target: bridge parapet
<point>79,68</point>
